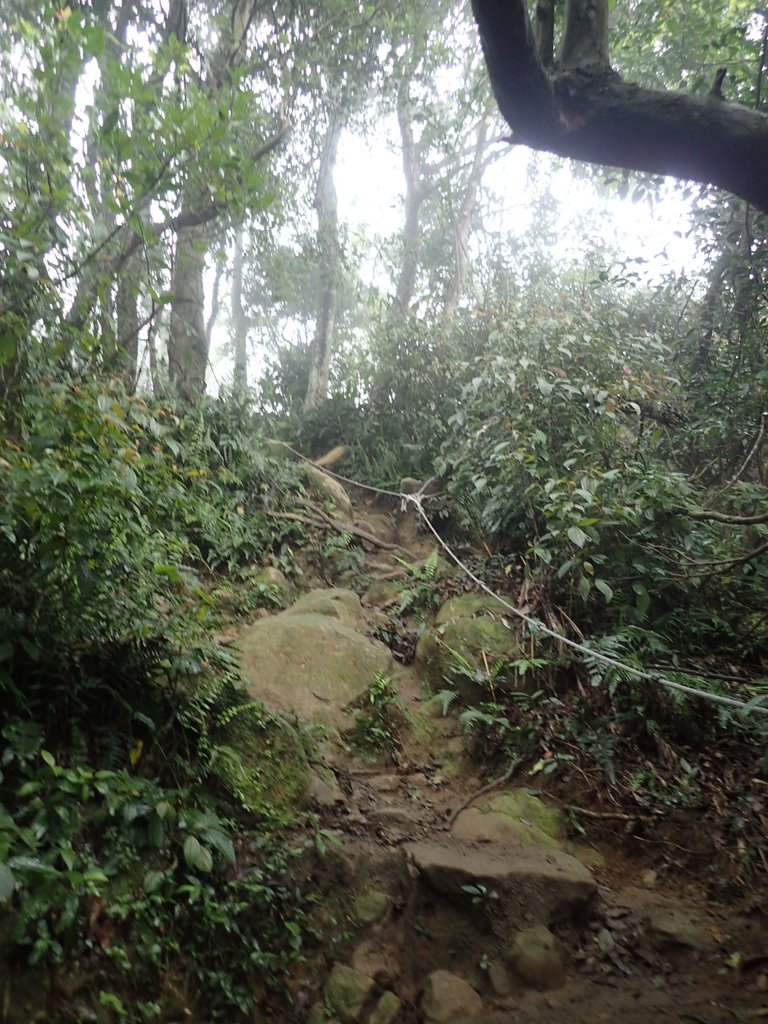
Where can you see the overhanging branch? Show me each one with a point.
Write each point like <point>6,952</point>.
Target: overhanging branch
<point>589,113</point>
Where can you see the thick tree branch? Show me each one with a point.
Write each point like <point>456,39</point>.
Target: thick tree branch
<point>708,515</point>
<point>588,113</point>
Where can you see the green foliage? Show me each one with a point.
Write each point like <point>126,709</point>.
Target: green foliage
<point>115,790</point>
<point>106,502</point>
<point>381,718</point>
<point>557,457</point>
<point>481,894</point>
<point>419,594</point>
<point>391,400</point>
<point>96,859</point>
<point>342,555</point>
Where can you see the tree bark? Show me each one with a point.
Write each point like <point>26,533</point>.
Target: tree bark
<point>584,110</point>
<point>239,319</point>
<point>544,31</point>
<point>329,253</point>
<point>585,40</point>
<point>127,322</point>
<point>463,226</point>
<point>187,341</point>
<point>416,191</point>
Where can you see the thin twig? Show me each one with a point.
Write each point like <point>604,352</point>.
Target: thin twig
<point>602,815</point>
<point>493,784</point>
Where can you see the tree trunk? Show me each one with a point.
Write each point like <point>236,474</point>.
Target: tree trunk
<point>582,109</point>
<point>415,194</point>
<point>127,322</point>
<point>154,371</point>
<point>187,341</point>
<point>329,253</point>
<point>239,320</point>
<point>463,226</point>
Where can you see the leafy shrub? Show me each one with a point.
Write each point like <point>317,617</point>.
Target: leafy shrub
<point>141,878</point>
<point>380,718</point>
<point>553,457</point>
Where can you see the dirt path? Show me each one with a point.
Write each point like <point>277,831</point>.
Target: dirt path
<point>445,899</point>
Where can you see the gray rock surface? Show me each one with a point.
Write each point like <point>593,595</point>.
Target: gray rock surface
<point>530,882</point>
<point>535,957</point>
<point>447,998</point>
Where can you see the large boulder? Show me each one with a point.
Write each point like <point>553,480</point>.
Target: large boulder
<point>337,603</point>
<point>516,818</point>
<point>311,659</point>
<point>469,635</point>
<point>547,885</point>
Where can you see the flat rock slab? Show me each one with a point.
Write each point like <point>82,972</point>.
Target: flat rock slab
<point>546,884</point>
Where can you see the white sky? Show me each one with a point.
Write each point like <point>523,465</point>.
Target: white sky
<point>370,187</point>
<point>369,181</point>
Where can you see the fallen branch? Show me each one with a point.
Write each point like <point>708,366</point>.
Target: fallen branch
<point>487,788</point>
<point>296,517</point>
<point>602,815</point>
<point>325,521</point>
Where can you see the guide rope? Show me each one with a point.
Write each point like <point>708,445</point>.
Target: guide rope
<point>535,625</point>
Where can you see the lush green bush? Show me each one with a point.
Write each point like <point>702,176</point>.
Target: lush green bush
<point>556,456</point>
<point>117,705</point>
<point>107,503</point>
<point>143,881</point>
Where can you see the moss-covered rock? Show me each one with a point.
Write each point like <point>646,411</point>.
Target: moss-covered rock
<point>517,817</point>
<point>383,593</point>
<point>312,661</point>
<point>387,1010</point>
<point>262,760</point>
<point>336,603</point>
<point>468,606</point>
<point>347,991</point>
<point>371,906</point>
<point>455,653</point>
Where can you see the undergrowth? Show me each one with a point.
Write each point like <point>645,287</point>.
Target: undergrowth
<point>642,753</point>
<point>129,847</point>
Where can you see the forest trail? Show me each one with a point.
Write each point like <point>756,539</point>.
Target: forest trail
<point>446,897</point>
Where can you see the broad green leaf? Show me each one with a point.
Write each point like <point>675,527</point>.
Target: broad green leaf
<point>642,598</point>
<point>152,881</point>
<point>221,842</point>
<point>196,855</point>
<point>7,883</point>
<point>577,536</point>
<point>605,590</point>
